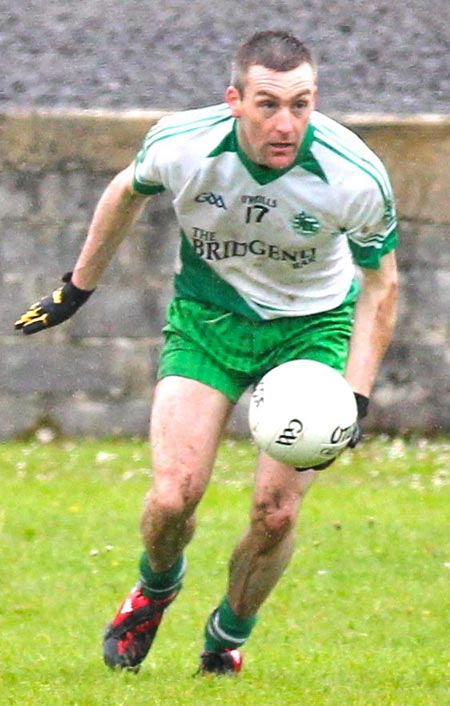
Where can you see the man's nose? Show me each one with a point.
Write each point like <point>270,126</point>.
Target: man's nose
<point>285,121</point>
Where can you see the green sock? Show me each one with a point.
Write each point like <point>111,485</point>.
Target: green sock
<point>225,629</point>
<point>159,585</point>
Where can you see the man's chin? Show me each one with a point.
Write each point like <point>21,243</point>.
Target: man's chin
<point>281,161</point>
<point>280,158</point>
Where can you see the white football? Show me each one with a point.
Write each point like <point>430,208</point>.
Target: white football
<point>302,413</point>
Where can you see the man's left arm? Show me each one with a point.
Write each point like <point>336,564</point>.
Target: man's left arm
<point>375,318</point>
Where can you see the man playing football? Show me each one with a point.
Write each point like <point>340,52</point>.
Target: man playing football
<point>275,202</point>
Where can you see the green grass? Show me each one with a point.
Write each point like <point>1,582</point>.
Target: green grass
<point>361,618</point>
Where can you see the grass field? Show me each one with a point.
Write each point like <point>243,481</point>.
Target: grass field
<point>361,618</point>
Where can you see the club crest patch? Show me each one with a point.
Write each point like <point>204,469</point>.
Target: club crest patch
<point>305,225</point>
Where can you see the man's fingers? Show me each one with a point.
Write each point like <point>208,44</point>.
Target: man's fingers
<point>33,320</point>
<point>36,326</point>
<point>60,305</point>
<point>356,437</point>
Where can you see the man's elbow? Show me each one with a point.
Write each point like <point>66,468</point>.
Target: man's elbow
<point>392,286</point>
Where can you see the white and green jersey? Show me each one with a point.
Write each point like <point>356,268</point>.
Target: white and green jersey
<point>262,242</point>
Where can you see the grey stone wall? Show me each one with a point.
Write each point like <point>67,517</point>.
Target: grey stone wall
<point>95,374</point>
<point>374,55</point>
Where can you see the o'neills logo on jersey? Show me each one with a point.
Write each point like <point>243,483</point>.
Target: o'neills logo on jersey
<point>304,224</point>
<point>259,200</point>
<point>212,250</point>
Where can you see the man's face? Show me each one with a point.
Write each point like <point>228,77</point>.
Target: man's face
<point>273,113</point>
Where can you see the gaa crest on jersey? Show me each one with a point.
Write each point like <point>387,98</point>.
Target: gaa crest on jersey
<point>305,225</point>
<point>213,199</point>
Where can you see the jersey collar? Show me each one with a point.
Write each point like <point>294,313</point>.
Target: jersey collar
<point>265,175</point>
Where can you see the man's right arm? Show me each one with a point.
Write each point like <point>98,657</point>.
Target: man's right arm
<point>117,210</point>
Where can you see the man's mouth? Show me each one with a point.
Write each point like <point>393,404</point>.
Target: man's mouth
<point>282,146</point>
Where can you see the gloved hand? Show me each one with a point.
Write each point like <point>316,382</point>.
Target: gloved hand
<point>362,404</point>
<point>54,309</point>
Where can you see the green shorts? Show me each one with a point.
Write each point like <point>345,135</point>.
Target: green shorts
<point>230,352</point>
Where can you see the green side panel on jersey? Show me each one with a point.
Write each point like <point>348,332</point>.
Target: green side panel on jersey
<point>266,175</point>
<point>197,280</point>
<point>369,257</point>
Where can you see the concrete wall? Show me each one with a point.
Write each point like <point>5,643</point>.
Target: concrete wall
<point>94,375</point>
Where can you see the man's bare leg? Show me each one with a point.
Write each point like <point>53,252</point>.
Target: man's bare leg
<point>265,550</point>
<point>187,422</point>
<point>257,563</point>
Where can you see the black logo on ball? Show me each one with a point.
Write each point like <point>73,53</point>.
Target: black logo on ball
<point>341,434</point>
<point>290,434</point>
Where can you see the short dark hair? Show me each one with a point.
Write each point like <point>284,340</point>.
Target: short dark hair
<point>274,49</point>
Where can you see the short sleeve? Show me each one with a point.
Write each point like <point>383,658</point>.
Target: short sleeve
<point>374,230</point>
<point>147,178</point>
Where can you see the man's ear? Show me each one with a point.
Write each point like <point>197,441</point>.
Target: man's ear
<point>233,98</point>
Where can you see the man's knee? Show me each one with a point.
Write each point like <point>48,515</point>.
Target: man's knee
<point>176,498</point>
<point>271,523</point>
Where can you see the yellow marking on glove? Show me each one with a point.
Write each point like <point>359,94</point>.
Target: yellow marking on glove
<point>33,314</point>
<point>57,296</point>
<point>38,319</point>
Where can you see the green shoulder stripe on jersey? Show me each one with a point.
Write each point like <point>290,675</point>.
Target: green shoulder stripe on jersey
<point>164,132</point>
<point>199,281</point>
<point>355,162</point>
<point>331,132</point>
<point>369,257</point>
<point>330,138</point>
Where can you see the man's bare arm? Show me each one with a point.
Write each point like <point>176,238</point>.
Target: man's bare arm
<point>114,215</point>
<point>375,318</point>
<point>116,211</point>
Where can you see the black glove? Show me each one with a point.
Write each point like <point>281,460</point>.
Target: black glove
<point>362,404</point>
<point>53,310</point>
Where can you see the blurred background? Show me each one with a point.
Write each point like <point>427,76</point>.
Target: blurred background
<point>374,55</point>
